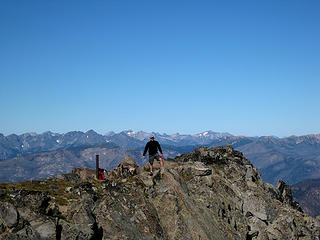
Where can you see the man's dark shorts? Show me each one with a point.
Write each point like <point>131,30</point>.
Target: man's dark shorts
<point>153,157</point>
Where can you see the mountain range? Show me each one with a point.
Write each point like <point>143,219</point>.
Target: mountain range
<point>16,145</point>
<point>292,159</point>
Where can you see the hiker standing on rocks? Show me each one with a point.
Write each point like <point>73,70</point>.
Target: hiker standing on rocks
<point>153,147</point>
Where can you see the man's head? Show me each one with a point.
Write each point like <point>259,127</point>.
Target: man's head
<point>152,138</point>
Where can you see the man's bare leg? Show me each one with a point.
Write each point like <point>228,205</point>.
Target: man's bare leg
<point>161,162</point>
<point>150,168</point>
<point>161,168</point>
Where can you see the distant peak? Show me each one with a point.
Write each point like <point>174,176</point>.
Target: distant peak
<point>33,134</point>
<point>110,133</point>
<point>127,131</point>
<point>91,132</point>
<point>47,132</point>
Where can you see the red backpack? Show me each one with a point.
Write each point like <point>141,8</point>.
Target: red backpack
<point>101,175</point>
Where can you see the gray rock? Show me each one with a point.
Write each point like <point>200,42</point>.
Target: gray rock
<point>257,206</point>
<point>127,167</point>
<point>83,219</point>
<point>251,174</point>
<point>215,155</point>
<point>45,227</point>
<point>273,192</point>
<point>29,233</point>
<point>8,214</point>
<point>36,200</point>
<point>285,195</point>
<point>200,169</point>
<point>2,227</point>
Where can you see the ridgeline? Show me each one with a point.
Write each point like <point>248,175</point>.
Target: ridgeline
<point>209,193</point>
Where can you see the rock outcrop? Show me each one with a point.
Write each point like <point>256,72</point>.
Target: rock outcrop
<point>210,193</point>
<point>126,168</point>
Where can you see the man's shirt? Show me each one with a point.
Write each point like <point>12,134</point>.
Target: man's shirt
<point>153,147</point>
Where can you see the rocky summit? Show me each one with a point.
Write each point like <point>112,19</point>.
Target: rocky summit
<point>210,193</point>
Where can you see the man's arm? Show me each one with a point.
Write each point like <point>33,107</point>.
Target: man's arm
<point>160,150</point>
<point>145,149</point>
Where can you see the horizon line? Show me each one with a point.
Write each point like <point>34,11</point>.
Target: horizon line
<point>154,132</point>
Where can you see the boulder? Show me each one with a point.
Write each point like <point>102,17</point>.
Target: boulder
<point>84,222</point>
<point>285,195</point>
<point>8,214</point>
<point>45,227</point>
<point>28,233</point>
<point>273,192</point>
<point>200,169</point>
<point>256,206</point>
<point>127,167</point>
<point>36,200</point>
<point>85,173</point>
<point>252,174</point>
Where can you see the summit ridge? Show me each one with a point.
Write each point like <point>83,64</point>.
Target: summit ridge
<point>209,193</point>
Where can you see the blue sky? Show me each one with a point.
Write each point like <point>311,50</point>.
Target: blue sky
<point>245,67</point>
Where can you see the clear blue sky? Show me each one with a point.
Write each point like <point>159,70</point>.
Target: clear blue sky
<point>244,67</point>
